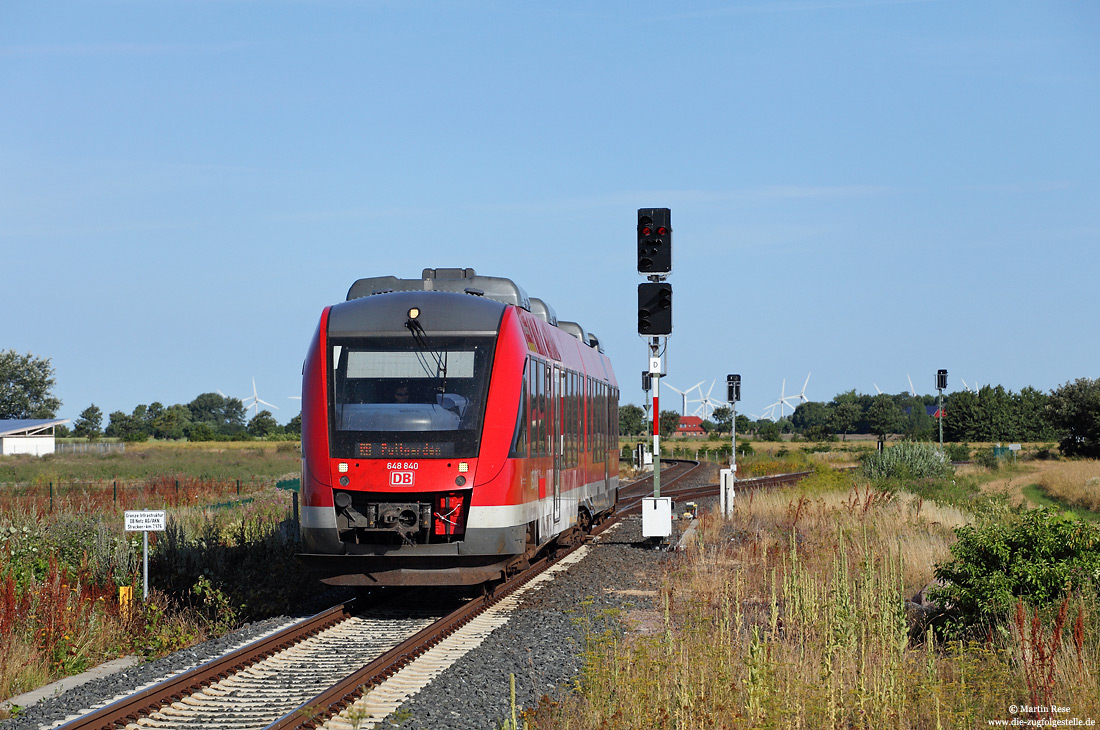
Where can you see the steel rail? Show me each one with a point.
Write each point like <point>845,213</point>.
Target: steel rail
<point>312,713</point>
<point>316,711</point>
<point>143,703</point>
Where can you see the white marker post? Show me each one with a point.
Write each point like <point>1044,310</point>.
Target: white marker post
<point>656,510</point>
<point>728,477</point>
<point>143,521</point>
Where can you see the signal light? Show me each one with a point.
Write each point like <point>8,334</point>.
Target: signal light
<point>654,241</point>
<point>941,380</point>
<point>655,308</point>
<point>733,388</point>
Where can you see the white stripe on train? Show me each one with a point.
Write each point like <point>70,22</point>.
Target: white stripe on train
<point>318,518</point>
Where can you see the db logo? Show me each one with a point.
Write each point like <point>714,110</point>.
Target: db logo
<point>402,478</point>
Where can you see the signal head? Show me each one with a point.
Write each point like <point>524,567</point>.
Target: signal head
<point>655,308</point>
<point>654,241</point>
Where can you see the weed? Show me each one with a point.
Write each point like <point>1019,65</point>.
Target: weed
<point>907,460</point>
<point>792,614</point>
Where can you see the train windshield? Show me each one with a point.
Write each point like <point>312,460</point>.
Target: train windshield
<point>393,398</point>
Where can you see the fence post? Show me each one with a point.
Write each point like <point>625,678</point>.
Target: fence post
<point>116,492</point>
<point>177,489</point>
<point>238,487</point>
<point>51,496</point>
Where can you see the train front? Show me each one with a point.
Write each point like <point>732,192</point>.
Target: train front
<point>396,402</point>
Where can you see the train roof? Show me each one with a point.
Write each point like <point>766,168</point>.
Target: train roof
<point>460,281</point>
<point>468,281</point>
<point>439,311</point>
<point>543,311</point>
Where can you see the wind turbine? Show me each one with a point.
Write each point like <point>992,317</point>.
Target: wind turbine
<point>706,405</point>
<point>802,395</point>
<point>683,396</point>
<point>256,400</point>
<point>782,402</point>
<point>912,390</point>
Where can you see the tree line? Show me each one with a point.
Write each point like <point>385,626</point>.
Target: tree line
<point>27,382</point>
<point>1069,414</point>
<point>209,417</point>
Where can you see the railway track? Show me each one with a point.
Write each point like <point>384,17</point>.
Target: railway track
<point>358,664</point>
<point>272,676</point>
<point>675,471</point>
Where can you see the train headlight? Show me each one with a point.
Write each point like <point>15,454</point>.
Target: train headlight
<point>463,467</point>
<point>342,467</point>
<point>414,313</point>
<point>460,480</point>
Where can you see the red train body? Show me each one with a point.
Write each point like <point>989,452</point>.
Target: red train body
<point>450,426</point>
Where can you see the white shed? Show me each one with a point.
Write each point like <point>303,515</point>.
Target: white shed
<point>28,436</point>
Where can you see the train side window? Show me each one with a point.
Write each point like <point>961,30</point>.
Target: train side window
<point>574,424</point>
<point>578,400</point>
<point>567,418</point>
<point>545,414</point>
<point>533,408</point>
<point>537,425</point>
<point>605,391</point>
<point>588,421</point>
<point>574,419</point>
<point>603,420</point>
<point>519,439</point>
<point>614,425</point>
<point>601,410</point>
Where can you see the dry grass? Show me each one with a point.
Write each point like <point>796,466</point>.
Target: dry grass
<point>1072,482</point>
<point>1076,483</point>
<point>212,446</point>
<point>920,531</point>
<point>791,614</point>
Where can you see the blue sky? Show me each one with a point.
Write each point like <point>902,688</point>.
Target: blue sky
<point>865,190</point>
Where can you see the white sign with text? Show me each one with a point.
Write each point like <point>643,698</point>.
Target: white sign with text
<point>146,520</point>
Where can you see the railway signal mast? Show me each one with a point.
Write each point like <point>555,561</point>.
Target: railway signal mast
<point>729,476</point>
<point>941,385</point>
<point>655,324</point>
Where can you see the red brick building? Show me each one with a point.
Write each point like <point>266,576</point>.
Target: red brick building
<point>690,426</point>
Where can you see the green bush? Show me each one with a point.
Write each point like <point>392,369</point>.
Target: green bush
<point>906,460</point>
<point>957,452</point>
<point>988,459</point>
<point>1037,559</point>
<point>1047,453</point>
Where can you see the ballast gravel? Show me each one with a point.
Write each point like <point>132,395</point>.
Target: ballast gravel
<point>542,645</point>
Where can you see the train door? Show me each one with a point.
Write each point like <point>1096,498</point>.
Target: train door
<point>557,439</point>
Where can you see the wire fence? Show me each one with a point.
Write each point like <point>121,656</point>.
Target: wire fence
<point>92,447</point>
<point>119,494</point>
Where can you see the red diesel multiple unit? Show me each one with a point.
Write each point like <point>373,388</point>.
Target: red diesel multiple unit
<point>451,426</point>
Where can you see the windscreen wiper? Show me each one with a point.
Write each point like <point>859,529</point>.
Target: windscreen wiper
<point>440,359</point>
